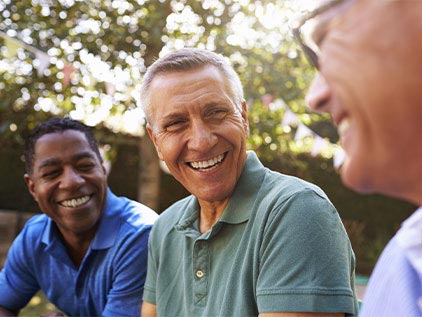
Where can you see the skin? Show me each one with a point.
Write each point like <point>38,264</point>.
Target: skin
<point>65,167</point>
<point>370,82</point>
<point>7,313</point>
<point>195,119</point>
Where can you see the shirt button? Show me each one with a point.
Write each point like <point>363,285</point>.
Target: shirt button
<point>199,273</point>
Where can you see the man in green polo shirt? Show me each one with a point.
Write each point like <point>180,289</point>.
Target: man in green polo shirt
<point>248,241</point>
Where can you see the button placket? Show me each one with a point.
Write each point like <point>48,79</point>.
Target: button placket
<point>200,272</point>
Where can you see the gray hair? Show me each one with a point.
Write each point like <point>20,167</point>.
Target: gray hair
<point>189,59</point>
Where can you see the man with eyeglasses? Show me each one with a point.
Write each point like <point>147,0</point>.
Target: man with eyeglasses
<point>369,58</point>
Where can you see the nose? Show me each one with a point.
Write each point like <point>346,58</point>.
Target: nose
<point>319,94</point>
<point>202,137</point>
<point>71,179</point>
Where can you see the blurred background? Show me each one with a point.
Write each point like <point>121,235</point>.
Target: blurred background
<point>85,60</point>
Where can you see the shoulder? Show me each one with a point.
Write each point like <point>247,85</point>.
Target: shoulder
<point>290,208</point>
<point>35,226</point>
<point>287,186</point>
<point>392,268</point>
<point>132,213</point>
<point>392,262</point>
<point>293,194</point>
<point>173,214</point>
<point>29,238</point>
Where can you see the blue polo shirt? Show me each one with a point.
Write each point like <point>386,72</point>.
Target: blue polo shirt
<point>110,279</point>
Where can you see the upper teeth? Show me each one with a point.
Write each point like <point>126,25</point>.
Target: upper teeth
<point>343,126</point>
<point>209,163</point>
<point>76,202</point>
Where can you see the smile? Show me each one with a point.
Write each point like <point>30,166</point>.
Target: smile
<point>75,202</point>
<point>343,127</point>
<point>207,164</point>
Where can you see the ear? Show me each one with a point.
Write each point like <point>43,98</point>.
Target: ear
<point>151,134</point>
<point>245,116</point>
<point>31,185</point>
<point>105,168</point>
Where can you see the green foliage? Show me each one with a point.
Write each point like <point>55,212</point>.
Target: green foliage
<point>97,46</point>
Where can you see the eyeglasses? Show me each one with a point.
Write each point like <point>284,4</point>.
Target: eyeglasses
<point>301,34</point>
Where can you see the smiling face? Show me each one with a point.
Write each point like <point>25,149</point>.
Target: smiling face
<point>370,81</point>
<point>68,182</point>
<point>198,131</point>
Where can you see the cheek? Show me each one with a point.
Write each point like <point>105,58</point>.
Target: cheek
<point>41,197</point>
<point>168,148</point>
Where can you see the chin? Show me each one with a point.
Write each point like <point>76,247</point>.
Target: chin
<point>356,178</point>
<point>213,196</point>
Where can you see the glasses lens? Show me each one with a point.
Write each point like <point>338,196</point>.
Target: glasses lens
<point>314,28</point>
<point>303,35</point>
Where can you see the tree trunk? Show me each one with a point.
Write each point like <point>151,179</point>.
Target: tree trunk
<point>149,174</point>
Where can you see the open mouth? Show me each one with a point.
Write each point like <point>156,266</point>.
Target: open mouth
<point>75,202</point>
<point>208,164</point>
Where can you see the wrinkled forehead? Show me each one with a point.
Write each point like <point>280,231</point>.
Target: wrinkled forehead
<point>187,86</point>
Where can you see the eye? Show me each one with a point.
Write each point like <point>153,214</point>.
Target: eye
<point>86,165</point>
<point>219,113</point>
<point>174,125</point>
<point>50,174</point>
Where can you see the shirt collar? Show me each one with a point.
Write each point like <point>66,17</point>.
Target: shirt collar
<point>109,225</point>
<point>50,233</point>
<point>240,204</point>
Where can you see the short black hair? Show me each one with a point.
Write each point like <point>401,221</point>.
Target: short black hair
<point>55,125</point>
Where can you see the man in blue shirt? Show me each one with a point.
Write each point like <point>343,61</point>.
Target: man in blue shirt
<point>368,54</point>
<point>88,251</point>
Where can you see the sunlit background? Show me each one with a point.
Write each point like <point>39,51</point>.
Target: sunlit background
<point>85,59</point>
<point>31,45</point>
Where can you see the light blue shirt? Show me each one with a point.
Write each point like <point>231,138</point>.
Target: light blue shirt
<point>395,286</point>
<point>110,279</point>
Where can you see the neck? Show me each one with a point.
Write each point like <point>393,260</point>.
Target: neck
<point>77,245</point>
<point>210,213</point>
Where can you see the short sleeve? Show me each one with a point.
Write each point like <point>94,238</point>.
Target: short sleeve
<point>17,281</point>
<point>307,263</point>
<point>150,284</point>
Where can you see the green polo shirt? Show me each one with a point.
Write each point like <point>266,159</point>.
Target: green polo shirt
<point>279,246</point>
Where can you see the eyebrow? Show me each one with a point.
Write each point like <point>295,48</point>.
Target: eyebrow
<point>171,116</point>
<point>180,114</point>
<point>55,161</point>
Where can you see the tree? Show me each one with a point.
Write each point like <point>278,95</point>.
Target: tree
<point>86,59</point>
